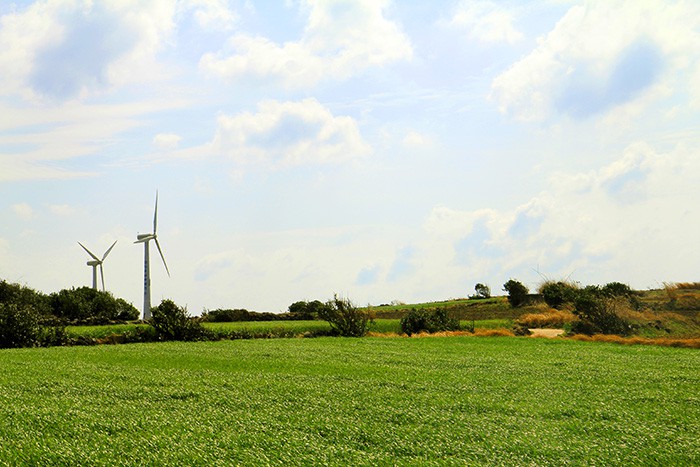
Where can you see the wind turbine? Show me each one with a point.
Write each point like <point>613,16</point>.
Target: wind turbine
<point>97,262</point>
<point>145,238</point>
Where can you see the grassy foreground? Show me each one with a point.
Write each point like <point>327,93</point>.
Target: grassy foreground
<point>370,401</point>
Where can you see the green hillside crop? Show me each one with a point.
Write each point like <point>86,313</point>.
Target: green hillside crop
<point>334,401</point>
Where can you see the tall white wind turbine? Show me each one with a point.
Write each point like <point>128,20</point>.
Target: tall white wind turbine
<point>145,238</point>
<point>95,262</point>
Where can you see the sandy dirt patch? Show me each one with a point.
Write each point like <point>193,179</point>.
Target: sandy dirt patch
<point>542,332</point>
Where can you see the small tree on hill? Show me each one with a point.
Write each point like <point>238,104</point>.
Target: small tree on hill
<point>517,292</point>
<point>345,318</point>
<point>482,291</point>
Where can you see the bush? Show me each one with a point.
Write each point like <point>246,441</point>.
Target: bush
<point>517,292</point>
<point>86,305</point>
<point>226,315</point>
<point>557,294</point>
<point>345,318</point>
<point>23,296</point>
<point>172,323</point>
<point>422,320</point>
<point>24,326</point>
<point>617,289</point>
<point>598,316</point>
<point>125,311</point>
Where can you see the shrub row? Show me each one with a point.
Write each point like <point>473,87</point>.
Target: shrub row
<point>82,305</point>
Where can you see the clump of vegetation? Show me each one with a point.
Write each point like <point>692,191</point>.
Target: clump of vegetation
<point>85,305</point>
<point>517,292</point>
<point>558,293</point>
<point>172,323</point>
<point>26,319</point>
<point>297,311</point>
<point>24,326</point>
<point>424,320</point>
<point>482,292</point>
<point>23,296</point>
<point>306,310</point>
<point>598,315</point>
<point>345,318</point>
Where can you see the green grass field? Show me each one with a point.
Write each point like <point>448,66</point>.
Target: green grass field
<point>336,401</point>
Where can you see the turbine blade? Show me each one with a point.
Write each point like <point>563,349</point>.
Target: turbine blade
<point>155,215</point>
<point>162,257</point>
<point>89,252</point>
<point>102,273</point>
<point>110,249</point>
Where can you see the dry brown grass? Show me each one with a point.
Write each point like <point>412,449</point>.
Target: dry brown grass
<point>550,318</point>
<point>502,332</point>
<point>693,343</point>
<point>687,285</point>
<point>479,332</point>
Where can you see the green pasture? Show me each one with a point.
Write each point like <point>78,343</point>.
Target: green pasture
<point>345,401</point>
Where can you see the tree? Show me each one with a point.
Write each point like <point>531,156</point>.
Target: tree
<point>517,292</point>
<point>345,318</point>
<point>482,291</point>
<point>172,323</point>
<point>306,310</point>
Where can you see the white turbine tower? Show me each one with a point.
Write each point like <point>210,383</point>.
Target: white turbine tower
<point>145,238</point>
<point>97,262</point>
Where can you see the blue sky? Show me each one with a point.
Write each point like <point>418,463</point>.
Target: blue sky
<point>375,149</point>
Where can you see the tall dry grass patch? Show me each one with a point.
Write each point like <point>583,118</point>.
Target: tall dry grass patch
<point>693,343</point>
<point>549,318</point>
<point>683,295</point>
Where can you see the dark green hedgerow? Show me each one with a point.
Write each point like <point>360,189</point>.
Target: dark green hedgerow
<point>422,320</point>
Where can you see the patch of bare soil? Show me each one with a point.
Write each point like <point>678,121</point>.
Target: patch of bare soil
<point>542,332</point>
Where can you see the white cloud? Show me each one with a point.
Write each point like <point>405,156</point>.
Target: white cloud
<point>415,139</point>
<point>66,49</point>
<point>340,40</point>
<point>289,133</point>
<point>166,140</point>
<point>596,225</point>
<point>602,55</point>
<point>62,210</point>
<point>23,210</point>
<point>486,21</point>
<point>33,140</point>
<point>212,14</point>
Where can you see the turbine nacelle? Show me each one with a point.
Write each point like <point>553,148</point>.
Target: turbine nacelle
<point>141,238</point>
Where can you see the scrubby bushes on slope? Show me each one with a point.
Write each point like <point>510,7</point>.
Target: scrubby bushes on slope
<point>422,320</point>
